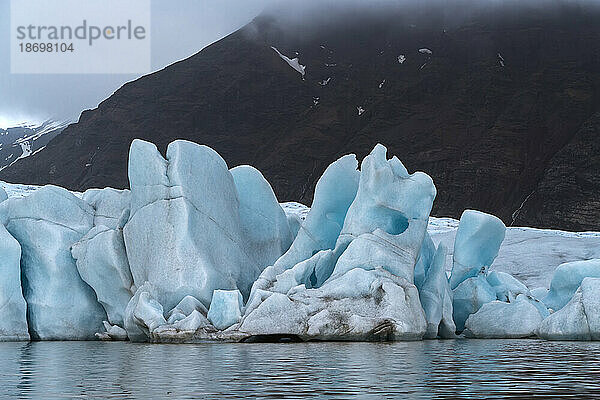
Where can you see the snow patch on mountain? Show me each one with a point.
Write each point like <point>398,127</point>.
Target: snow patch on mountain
<point>292,62</point>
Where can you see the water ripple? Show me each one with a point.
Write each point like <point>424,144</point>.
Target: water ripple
<point>459,369</point>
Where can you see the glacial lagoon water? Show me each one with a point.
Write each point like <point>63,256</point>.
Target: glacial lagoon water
<point>453,369</point>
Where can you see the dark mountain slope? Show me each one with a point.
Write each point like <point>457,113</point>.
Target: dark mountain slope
<point>505,106</point>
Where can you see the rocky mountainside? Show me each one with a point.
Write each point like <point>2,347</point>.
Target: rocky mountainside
<point>501,108</point>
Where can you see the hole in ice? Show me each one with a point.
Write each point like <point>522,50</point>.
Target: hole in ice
<point>397,222</point>
<point>272,339</point>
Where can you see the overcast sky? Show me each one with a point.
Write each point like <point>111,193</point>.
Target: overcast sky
<point>180,28</point>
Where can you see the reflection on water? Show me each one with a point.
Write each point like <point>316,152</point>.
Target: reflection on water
<point>429,369</point>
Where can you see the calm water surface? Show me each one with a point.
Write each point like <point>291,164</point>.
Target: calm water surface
<point>430,369</point>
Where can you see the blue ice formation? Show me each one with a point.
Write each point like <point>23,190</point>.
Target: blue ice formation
<point>579,319</point>
<point>60,305</point>
<point>186,234</point>
<point>225,308</point>
<point>263,221</point>
<point>13,319</point>
<point>469,296</point>
<point>566,280</point>
<point>101,260</point>
<point>436,298</point>
<point>506,286</point>
<point>317,236</point>
<point>13,309</point>
<point>499,319</point>
<point>356,281</point>
<point>490,304</point>
<point>196,251</point>
<point>477,242</point>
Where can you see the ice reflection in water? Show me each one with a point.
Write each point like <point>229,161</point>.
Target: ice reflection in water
<point>429,369</point>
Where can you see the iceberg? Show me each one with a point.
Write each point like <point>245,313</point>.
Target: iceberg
<point>334,193</point>
<point>502,320</point>
<point>111,206</point>
<point>539,292</point>
<point>184,234</point>
<point>506,286</point>
<point>60,305</point>
<point>387,221</point>
<point>566,279</point>
<point>143,314</point>
<point>468,298</point>
<point>196,251</point>
<point>336,286</point>
<point>185,308</point>
<point>101,257</point>
<point>476,245</point>
<point>13,309</point>
<point>424,260</point>
<point>263,222</point>
<point>225,308</point>
<point>579,319</point>
<point>183,330</point>
<point>101,260</point>
<point>360,305</point>
<point>113,332</point>
<point>436,298</point>
<point>389,198</point>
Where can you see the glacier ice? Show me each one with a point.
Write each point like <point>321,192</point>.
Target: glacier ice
<point>360,305</point>
<point>185,308</point>
<point>476,245</point>
<point>579,319</point>
<point>225,308</point>
<point>334,192</point>
<point>60,305</point>
<point>539,292</point>
<point>184,234</point>
<point>13,310</point>
<point>101,257</point>
<point>3,195</point>
<point>388,197</point>
<point>507,287</point>
<point>102,263</point>
<point>468,298</point>
<point>436,298</point>
<point>336,286</point>
<point>184,322</point>
<point>566,279</point>
<point>387,221</point>
<point>499,319</point>
<point>111,206</point>
<point>263,222</point>
<point>424,260</point>
<point>113,332</point>
<point>143,314</point>
<point>174,258</point>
